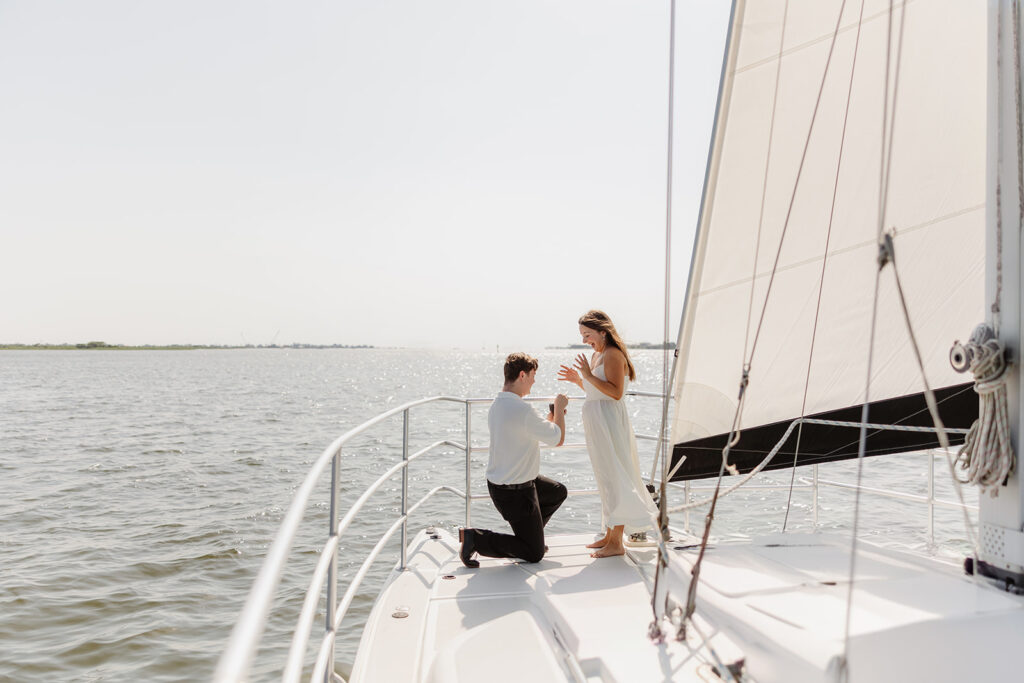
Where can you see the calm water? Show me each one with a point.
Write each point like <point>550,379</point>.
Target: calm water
<point>139,492</point>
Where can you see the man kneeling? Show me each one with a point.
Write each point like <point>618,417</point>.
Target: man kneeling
<point>523,497</point>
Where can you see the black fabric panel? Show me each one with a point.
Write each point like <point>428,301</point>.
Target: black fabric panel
<point>958,407</point>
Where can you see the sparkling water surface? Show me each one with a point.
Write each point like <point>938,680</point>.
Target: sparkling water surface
<point>140,490</point>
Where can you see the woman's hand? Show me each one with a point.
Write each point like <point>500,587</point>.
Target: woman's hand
<point>583,366</point>
<point>567,374</point>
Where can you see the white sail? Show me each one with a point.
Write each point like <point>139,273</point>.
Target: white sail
<point>936,204</point>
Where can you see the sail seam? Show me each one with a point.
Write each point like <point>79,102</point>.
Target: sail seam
<point>810,43</point>
<point>843,250</point>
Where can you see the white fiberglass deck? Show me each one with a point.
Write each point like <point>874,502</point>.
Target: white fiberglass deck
<point>783,599</point>
<point>567,617</point>
<point>777,602</point>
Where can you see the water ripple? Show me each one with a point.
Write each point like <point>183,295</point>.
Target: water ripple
<point>140,492</point>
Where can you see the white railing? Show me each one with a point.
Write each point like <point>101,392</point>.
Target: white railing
<point>245,637</point>
<point>234,664</point>
<point>236,660</point>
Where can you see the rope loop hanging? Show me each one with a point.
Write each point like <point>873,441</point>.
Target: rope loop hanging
<point>986,458</point>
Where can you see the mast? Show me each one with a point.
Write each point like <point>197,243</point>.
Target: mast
<point>1001,519</point>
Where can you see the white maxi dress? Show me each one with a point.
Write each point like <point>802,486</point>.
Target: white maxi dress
<point>612,448</point>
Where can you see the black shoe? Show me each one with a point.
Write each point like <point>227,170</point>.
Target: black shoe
<point>467,549</point>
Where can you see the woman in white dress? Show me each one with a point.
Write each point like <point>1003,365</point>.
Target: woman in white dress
<point>626,506</point>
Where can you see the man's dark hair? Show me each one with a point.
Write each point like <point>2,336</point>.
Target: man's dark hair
<point>518,362</point>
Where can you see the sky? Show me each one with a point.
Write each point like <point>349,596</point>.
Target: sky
<point>441,173</point>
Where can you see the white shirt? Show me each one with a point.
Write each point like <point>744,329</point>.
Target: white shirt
<point>516,430</point>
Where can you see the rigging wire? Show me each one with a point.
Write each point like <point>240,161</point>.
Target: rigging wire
<point>884,257</point>
<point>796,183</point>
<point>662,523</point>
<point>933,408</point>
<point>824,262</point>
<point>764,182</point>
<point>734,433</point>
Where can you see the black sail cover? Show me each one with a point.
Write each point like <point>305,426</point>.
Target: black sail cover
<point>784,267</point>
<point>810,444</point>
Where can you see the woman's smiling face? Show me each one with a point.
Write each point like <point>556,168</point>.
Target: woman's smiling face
<point>592,338</point>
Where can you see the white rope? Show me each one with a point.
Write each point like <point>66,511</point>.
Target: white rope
<point>987,456</point>
<point>785,437</point>
<point>741,482</point>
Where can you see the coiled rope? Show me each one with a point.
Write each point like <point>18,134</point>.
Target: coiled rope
<point>987,456</point>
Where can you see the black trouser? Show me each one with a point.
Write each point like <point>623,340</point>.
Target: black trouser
<point>527,508</point>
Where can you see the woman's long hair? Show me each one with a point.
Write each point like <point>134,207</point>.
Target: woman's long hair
<point>600,322</point>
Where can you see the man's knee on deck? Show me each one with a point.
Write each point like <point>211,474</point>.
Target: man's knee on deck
<point>535,553</point>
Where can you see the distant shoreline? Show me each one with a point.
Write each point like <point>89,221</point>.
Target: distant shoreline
<point>103,346</point>
<point>660,346</point>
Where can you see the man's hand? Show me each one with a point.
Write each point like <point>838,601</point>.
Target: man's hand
<point>561,401</point>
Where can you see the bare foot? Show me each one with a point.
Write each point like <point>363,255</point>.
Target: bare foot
<point>599,543</point>
<point>609,551</point>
